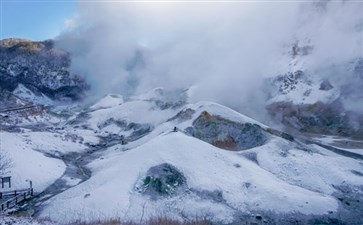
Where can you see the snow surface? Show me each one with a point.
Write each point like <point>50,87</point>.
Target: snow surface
<point>29,164</point>
<point>82,136</point>
<point>108,101</point>
<point>333,140</point>
<point>220,110</point>
<point>357,151</point>
<point>307,94</point>
<point>27,150</point>
<point>280,176</point>
<point>165,127</point>
<point>18,220</point>
<point>310,170</point>
<point>53,143</point>
<point>138,111</point>
<point>112,193</point>
<point>26,94</point>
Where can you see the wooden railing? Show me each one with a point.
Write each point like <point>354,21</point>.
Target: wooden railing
<point>19,108</point>
<point>10,199</point>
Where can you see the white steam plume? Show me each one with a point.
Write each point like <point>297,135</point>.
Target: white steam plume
<point>224,49</point>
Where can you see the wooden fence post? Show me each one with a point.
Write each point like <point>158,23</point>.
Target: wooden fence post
<point>19,196</point>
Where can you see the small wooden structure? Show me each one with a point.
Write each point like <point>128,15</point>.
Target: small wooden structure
<point>5,180</point>
<point>10,199</point>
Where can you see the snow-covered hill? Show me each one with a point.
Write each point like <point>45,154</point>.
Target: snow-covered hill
<point>123,159</point>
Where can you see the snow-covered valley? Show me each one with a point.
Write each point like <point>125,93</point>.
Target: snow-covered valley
<point>147,156</point>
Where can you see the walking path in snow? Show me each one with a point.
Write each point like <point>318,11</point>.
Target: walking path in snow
<point>76,172</point>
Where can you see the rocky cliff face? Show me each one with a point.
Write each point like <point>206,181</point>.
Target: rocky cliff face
<point>307,101</point>
<point>41,68</point>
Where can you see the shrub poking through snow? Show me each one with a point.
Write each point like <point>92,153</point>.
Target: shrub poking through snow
<point>162,180</point>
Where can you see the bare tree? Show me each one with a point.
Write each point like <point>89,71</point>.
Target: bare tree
<point>6,163</point>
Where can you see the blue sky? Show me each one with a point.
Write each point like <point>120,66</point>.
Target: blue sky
<point>35,20</point>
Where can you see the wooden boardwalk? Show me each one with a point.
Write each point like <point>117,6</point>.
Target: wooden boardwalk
<point>18,109</point>
<point>9,199</point>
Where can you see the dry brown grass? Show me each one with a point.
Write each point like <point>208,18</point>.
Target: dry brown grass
<point>228,144</point>
<point>167,221</point>
<point>155,221</point>
<point>207,116</point>
<point>108,222</point>
<point>10,219</point>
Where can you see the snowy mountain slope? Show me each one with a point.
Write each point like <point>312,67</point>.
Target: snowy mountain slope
<point>128,119</point>
<point>310,168</point>
<point>9,100</point>
<point>207,170</point>
<point>29,164</point>
<point>282,175</point>
<point>299,88</point>
<point>24,93</point>
<point>108,101</point>
<point>342,143</point>
<point>133,111</point>
<point>122,160</point>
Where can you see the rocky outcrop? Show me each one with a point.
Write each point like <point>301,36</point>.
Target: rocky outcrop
<point>325,85</point>
<point>41,68</point>
<point>162,180</point>
<point>306,104</point>
<point>227,134</point>
<point>317,118</point>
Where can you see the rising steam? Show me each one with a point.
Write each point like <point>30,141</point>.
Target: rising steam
<point>223,49</point>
